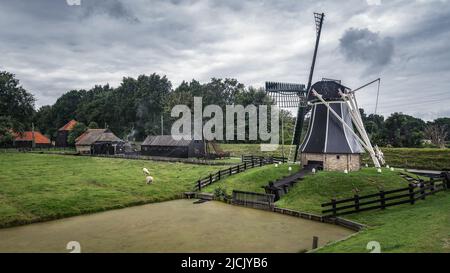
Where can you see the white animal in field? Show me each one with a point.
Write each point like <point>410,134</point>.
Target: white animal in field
<point>146,171</point>
<point>149,180</point>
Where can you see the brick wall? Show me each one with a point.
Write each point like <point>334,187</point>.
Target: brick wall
<point>334,162</point>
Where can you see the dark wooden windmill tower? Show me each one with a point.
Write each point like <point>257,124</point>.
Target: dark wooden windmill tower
<point>288,95</point>
<point>331,140</point>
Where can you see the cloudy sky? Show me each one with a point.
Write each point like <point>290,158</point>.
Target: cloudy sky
<point>54,47</point>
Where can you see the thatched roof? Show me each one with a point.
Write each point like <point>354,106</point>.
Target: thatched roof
<point>96,135</point>
<point>108,136</point>
<point>165,141</point>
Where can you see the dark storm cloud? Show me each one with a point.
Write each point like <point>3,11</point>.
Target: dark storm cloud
<point>363,45</point>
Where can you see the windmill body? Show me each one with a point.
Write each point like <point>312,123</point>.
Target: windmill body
<point>328,141</point>
<point>336,136</point>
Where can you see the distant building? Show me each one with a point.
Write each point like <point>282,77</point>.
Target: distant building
<point>26,139</point>
<point>63,133</point>
<point>100,141</point>
<point>166,146</point>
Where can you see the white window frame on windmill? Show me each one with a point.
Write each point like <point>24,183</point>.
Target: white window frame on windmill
<point>356,118</point>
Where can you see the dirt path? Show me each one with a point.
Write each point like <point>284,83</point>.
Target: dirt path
<point>175,226</point>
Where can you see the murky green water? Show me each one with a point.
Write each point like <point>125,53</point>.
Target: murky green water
<point>175,226</point>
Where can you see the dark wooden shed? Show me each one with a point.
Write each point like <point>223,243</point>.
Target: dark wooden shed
<point>167,146</point>
<point>63,133</point>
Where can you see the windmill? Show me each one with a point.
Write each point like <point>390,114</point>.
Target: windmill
<point>287,95</point>
<point>331,140</point>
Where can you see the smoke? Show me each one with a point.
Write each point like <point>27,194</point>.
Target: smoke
<point>367,47</point>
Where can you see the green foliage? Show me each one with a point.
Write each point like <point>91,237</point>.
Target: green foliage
<point>16,104</point>
<point>403,130</point>
<point>93,125</point>
<point>45,121</point>
<point>220,193</point>
<point>6,136</point>
<point>77,130</point>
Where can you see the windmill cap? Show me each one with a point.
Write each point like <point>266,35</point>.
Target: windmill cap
<point>328,89</point>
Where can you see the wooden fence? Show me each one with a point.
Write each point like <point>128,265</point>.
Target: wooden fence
<point>253,200</point>
<point>384,199</point>
<point>213,178</point>
<point>251,158</point>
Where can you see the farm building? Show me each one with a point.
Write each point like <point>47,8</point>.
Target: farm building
<point>26,139</point>
<point>166,146</point>
<point>100,141</point>
<point>63,133</point>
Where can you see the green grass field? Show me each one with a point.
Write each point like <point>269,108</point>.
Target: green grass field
<point>37,187</point>
<point>420,158</point>
<point>319,188</point>
<point>252,180</point>
<point>424,227</point>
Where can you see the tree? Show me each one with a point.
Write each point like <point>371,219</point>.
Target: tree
<point>374,125</point>
<point>16,104</point>
<point>403,130</point>
<point>445,124</point>
<point>6,136</point>
<point>66,107</point>
<point>437,134</point>
<point>93,125</point>
<point>45,121</point>
<point>77,131</point>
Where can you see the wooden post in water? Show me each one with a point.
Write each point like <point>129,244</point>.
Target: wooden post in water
<point>315,243</point>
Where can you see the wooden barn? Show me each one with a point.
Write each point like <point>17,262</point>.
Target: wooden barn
<point>63,133</point>
<point>166,146</point>
<point>100,141</point>
<point>26,140</point>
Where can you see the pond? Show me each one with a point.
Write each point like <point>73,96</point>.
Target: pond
<point>174,226</point>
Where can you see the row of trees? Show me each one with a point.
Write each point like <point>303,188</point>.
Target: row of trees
<point>136,108</point>
<point>400,130</point>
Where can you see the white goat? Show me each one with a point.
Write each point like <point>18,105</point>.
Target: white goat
<point>149,180</point>
<point>146,171</point>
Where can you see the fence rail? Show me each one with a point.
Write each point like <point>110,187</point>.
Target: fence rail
<point>384,199</point>
<point>276,159</point>
<point>213,178</point>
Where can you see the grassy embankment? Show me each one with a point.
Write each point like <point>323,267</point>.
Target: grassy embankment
<point>37,187</point>
<point>424,227</point>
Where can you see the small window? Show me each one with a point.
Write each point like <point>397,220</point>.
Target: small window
<point>338,157</point>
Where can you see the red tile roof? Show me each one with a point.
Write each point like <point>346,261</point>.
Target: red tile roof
<point>69,126</point>
<point>28,136</point>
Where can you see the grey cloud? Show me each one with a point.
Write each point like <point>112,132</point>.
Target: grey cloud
<point>112,8</point>
<point>53,47</point>
<point>365,46</point>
